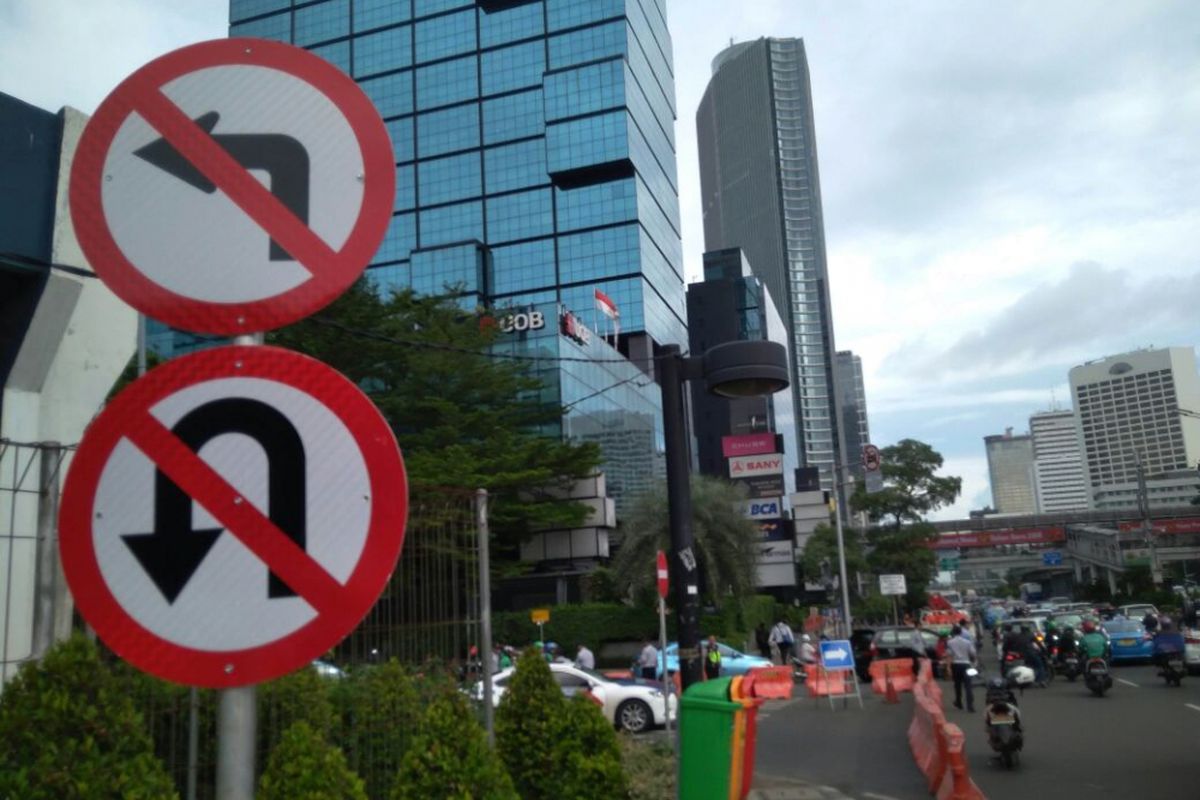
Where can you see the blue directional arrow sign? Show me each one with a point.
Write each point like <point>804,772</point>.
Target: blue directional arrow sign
<point>837,654</point>
<point>1052,558</point>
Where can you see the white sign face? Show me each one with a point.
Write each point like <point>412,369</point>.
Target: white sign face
<point>892,584</point>
<point>752,466</point>
<point>775,552</point>
<point>770,508</point>
<point>225,603</point>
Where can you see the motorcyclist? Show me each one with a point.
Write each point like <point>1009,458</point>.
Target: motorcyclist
<point>999,691</point>
<point>808,652</point>
<point>1167,642</point>
<point>1093,644</point>
<point>1067,643</point>
<point>1150,623</point>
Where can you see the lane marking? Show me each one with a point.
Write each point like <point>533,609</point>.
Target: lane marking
<point>874,796</point>
<point>1128,683</point>
<point>1192,707</point>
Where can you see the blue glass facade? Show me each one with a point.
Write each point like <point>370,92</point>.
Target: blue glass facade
<point>535,158</point>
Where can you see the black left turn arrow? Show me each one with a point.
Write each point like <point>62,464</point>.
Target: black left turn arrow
<point>172,552</point>
<point>283,158</point>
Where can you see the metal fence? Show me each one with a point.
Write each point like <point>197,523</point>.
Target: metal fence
<point>427,619</point>
<point>34,610</point>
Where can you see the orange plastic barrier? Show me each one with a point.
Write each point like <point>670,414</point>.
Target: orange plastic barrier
<point>823,683</point>
<point>773,683</point>
<point>956,784</point>
<point>898,670</point>
<point>925,738</point>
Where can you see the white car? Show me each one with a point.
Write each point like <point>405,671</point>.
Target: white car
<point>1138,611</point>
<point>631,704</point>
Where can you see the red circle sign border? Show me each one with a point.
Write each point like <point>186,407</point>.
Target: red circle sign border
<point>133,286</point>
<point>223,669</point>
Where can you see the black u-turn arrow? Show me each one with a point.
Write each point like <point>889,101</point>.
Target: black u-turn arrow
<point>172,552</point>
<point>284,159</point>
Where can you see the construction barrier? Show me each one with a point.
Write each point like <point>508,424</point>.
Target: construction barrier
<point>899,671</point>
<point>768,683</point>
<point>937,746</point>
<point>823,683</point>
<point>957,784</point>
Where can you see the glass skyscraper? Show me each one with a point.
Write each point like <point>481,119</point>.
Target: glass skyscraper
<point>535,163</point>
<point>761,192</point>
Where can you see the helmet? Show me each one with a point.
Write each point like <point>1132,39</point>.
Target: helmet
<point>805,637</point>
<point>1089,626</point>
<point>997,685</point>
<point>1165,625</point>
<point>1021,676</point>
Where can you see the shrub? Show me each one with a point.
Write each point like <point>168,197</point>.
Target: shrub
<point>589,757</point>
<point>650,767</point>
<point>380,712</point>
<point>69,730</point>
<point>301,696</point>
<point>590,623</point>
<point>450,758</point>
<point>306,767</point>
<point>529,723</point>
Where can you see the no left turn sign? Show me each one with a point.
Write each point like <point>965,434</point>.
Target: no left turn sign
<point>232,515</point>
<point>233,186</point>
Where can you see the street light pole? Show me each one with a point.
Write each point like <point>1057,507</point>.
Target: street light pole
<point>679,514</point>
<point>841,545</point>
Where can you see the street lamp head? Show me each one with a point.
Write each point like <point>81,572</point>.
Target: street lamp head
<point>746,369</point>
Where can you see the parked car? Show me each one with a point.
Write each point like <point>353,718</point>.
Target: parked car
<point>1130,641</point>
<point>733,662</point>
<point>896,642</point>
<point>631,704</point>
<point>1191,650</point>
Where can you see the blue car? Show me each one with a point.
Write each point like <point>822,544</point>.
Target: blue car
<point>733,662</point>
<point>1129,639</point>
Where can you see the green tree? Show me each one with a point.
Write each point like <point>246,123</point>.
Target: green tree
<point>381,707</point>
<point>70,731</point>
<point>911,490</point>
<point>821,553</point>
<point>464,415</point>
<point>529,723</point>
<point>590,756</point>
<point>450,758</point>
<point>304,766</point>
<point>726,543</point>
<point>300,696</point>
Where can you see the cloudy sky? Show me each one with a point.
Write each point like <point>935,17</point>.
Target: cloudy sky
<point>1010,189</point>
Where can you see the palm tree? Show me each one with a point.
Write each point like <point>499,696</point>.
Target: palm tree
<point>726,543</point>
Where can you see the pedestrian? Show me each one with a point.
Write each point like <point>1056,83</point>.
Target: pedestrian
<point>962,658</point>
<point>712,659</point>
<point>782,637</point>
<point>763,640</point>
<point>506,657</point>
<point>584,658</point>
<point>648,660</point>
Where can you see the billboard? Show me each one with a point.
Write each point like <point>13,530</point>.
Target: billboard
<point>773,530</point>
<point>751,466</point>
<point>763,486</point>
<point>749,445</point>
<point>767,508</point>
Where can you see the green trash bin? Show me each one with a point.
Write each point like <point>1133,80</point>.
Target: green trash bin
<point>708,735</point>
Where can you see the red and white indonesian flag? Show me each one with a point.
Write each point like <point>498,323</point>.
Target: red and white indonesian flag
<point>608,308</point>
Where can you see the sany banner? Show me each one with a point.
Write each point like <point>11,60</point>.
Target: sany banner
<point>751,466</point>
<point>1047,535</point>
<point>752,444</point>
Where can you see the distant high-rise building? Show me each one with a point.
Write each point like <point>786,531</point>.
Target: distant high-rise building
<point>761,192</point>
<point>1058,466</point>
<point>1010,467</point>
<point>853,403</point>
<point>1130,421</point>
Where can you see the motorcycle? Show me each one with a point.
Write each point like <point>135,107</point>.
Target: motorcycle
<point>1068,665</point>
<point>1172,668</point>
<point>1096,676</point>
<point>1003,722</point>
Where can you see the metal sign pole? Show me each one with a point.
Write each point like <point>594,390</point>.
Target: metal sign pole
<point>485,613</point>
<point>666,675</point>
<point>237,716</point>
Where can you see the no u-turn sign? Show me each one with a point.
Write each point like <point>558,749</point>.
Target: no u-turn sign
<point>232,515</point>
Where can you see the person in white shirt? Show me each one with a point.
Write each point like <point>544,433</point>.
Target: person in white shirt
<point>584,658</point>
<point>783,638</point>
<point>808,651</point>
<point>648,661</point>
<point>962,654</point>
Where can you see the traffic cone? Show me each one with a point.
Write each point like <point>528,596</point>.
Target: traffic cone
<point>890,695</point>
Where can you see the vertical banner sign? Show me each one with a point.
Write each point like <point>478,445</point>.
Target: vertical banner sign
<point>232,515</point>
<point>233,186</point>
<point>663,577</point>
